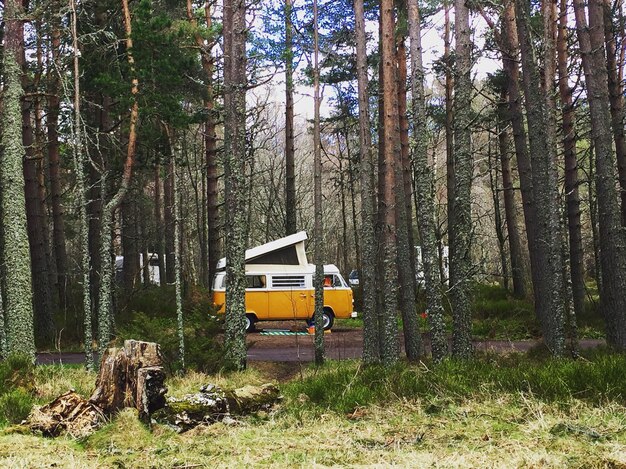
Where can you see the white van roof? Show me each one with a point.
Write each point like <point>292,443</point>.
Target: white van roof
<point>298,255</point>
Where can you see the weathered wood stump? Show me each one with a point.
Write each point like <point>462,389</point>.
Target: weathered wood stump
<point>69,413</point>
<point>131,377</point>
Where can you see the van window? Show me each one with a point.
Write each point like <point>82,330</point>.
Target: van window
<point>255,281</point>
<point>291,281</point>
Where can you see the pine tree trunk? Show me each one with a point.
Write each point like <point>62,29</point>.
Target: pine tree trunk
<point>612,237</point>
<point>387,204</point>
<point>519,271</point>
<point>424,182</point>
<point>235,178</point>
<point>290,150</point>
<point>80,160</point>
<point>158,219</point>
<point>616,99</point>
<point>168,216</point>
<point>317,194</point>
<point>367,278</point>
<point>15,251</point>
<point>497,215</point>
<point>54,161</point>
<point>572,195</point>
<point>510,52</point>
<point>460,248</point>
<point>449,123</point>
<point>403,213</point>
<point>105,308</point>
<point>541,133</point>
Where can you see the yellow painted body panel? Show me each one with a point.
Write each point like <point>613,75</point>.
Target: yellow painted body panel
<point>273,305</point>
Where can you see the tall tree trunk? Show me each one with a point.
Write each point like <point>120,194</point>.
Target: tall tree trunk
<point>460,248</point>
<point>168,216</point>
<point>235,177</point>
<point>130,241</point>
<point>510,52</point>
<point>449,124</point>
<point>290,150</point>
<point>404,210</point>
<point>497,212</point>
<point>612,236</point>
<point>391,149</point>
<point>572,195</point>
<point>616,99</point>
<point>54,160</point>
<point>210,138</point>
<point>18,307</point>
<point>519,270</point>
<point>371,348</point>
<point>317,194</point>
<point>105,309</point>
<point>424,183</point>
<point>542,138</point>
<point>158,219</point>
<point>80,160</point>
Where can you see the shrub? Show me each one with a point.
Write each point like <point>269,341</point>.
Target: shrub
<point>202,350</point>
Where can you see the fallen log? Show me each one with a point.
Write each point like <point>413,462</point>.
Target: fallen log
<point>212,404</point>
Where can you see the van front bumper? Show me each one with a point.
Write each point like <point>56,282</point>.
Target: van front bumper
<point>354,314</point>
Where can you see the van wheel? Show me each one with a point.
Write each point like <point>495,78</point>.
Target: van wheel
<point>328,319</point>
<point>250,323</point>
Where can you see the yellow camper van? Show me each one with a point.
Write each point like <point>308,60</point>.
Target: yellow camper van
<point>280,285</point>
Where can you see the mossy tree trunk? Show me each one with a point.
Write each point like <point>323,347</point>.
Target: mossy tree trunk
<point>235,179</point>
<point>404,211</point>
<point>460,246</point>
<point>80,160</point>
<point>371,348</point>
<point>424,183</point>
<point>317,194</point>
<point>549,285</point>
<point>389,344</point>
<point>105,307</point>
<point>15,248</point>
<point>612,238</point>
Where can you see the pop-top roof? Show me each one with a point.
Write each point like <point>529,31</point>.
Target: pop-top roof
<point>284,251</point>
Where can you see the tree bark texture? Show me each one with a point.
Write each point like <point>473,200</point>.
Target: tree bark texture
<point>105,308</point>
<point>404,215</point>
<point>290,150</point>
<point>389,345</point>
<point>54,161</point>
<point>616,100</point>
<point>612,237</point>
<point>424,183</point>
<point>519,271</point>
<point>15,248</point>
<point>367,276</point>
<point>317,195</point>
<point>460,248</point>
<point>550,286</point>
<point>235,179</point>
<point>572,194</point>
<point>510,60</point>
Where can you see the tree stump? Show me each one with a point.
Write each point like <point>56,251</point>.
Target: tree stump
<point>131,377</point>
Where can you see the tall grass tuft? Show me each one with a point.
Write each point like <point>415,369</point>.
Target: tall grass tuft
<point>16,388</point>
<point>345,386</point>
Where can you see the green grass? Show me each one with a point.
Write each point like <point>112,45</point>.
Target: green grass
<point>514,411</point>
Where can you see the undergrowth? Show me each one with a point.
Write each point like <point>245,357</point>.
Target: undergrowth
<point>17,388</point>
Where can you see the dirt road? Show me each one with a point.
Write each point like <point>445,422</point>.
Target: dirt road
<point>340,344</point>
